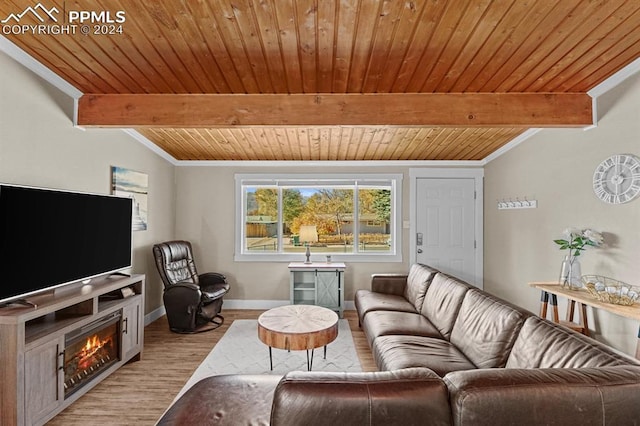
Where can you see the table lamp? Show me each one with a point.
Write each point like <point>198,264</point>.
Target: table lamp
<point>308,234</point>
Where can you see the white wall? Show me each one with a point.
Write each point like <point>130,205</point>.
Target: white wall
<point>556,168</point>
<point>205,213</point>
<point>40,147</point>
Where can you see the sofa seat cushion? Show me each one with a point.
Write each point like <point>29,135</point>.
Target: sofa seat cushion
<point>418,281</point>
<point>413,396</point>
<point>543,344</point>
<point>442,302</point>
<point>396,352</point>
<point>486,328</point>
<point>368,301</point>
<point>545,396</point>
<point>225,399</point>
<point>382,323</point>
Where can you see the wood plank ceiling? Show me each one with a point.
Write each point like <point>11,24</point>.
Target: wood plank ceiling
<point>266,47</point>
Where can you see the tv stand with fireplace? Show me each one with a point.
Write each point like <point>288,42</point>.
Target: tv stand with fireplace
<point>54,353</point>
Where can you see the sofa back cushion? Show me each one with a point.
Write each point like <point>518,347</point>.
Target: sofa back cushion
<point>411,396</point>
<point>486,328</point>
<point>442,302</point>
<point>543,344</point>
<point>419,278</point>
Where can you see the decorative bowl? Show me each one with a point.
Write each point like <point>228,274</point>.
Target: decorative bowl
<point>610,291</point>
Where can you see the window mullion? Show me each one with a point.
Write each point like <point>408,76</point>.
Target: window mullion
<point>280,221</point>
<point>243,228</point>
<point>356,219</point>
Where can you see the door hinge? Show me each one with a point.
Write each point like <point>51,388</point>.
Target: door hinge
<point>475,244</point>
<point>475,195</point>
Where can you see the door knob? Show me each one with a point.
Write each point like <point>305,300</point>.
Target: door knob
<point>419,250</point>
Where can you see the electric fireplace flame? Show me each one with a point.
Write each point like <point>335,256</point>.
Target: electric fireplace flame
<point>87,355</point>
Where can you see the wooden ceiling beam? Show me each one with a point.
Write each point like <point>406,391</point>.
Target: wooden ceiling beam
<point>393,109</point>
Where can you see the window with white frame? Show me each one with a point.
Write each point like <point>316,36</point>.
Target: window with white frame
<point>346,216</point>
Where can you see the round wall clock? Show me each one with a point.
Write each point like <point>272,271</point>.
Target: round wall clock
<point>617,179</point>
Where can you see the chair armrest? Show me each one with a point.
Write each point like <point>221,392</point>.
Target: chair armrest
<point>182,296</point>
<point>211,278</point>
<point>213,285</point>
<point>389,283</point>
<point>182,286</point>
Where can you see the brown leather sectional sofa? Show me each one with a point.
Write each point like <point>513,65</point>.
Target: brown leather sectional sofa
<point>501,364</point>
<point>449,354</point>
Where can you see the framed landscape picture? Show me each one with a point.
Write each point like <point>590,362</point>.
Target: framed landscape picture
<point>130,183</point>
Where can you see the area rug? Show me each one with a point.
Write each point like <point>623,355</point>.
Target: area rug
<point>240,351</point>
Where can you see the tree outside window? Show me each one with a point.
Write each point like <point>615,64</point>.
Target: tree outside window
<point>349,218</point>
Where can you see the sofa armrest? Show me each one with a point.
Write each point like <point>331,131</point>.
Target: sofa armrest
<point>501,396</point>
<point>401,397</point>
<point>389,283</point>
<point>225,399</point>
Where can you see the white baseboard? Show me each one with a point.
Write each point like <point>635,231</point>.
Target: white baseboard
<point>154,315</point>
<point>266,304</point>
<point>252,304</point>
<point>237,304</point>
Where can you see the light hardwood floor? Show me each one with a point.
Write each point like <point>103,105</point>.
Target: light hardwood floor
<point>139,392</point>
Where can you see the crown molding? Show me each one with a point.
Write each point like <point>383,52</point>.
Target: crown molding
<point>38,68</point>
<point>610,83</point>
<point>510,145</point>
<point>615,79</point>
<point>151,146</point>
<point>332,163</point>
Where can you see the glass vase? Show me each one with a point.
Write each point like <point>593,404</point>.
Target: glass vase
<point>571,273</point>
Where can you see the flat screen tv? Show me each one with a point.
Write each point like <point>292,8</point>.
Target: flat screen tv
<point>50,238</point>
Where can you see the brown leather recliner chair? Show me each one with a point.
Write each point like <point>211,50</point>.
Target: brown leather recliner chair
<point>193,301</point>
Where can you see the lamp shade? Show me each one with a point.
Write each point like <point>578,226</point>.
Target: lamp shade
<point>308,234</point>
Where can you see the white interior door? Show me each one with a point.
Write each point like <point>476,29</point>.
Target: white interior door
<point>445,226</point>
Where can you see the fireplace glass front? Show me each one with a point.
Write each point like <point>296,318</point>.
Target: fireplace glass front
<point>91,350</point>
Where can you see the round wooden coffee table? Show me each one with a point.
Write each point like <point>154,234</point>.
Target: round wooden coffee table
<point>297,328</point>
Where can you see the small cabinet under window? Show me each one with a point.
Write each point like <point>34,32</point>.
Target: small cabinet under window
<point>320,284</point>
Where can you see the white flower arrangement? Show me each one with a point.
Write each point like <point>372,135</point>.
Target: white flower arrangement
<point>577,240</point>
